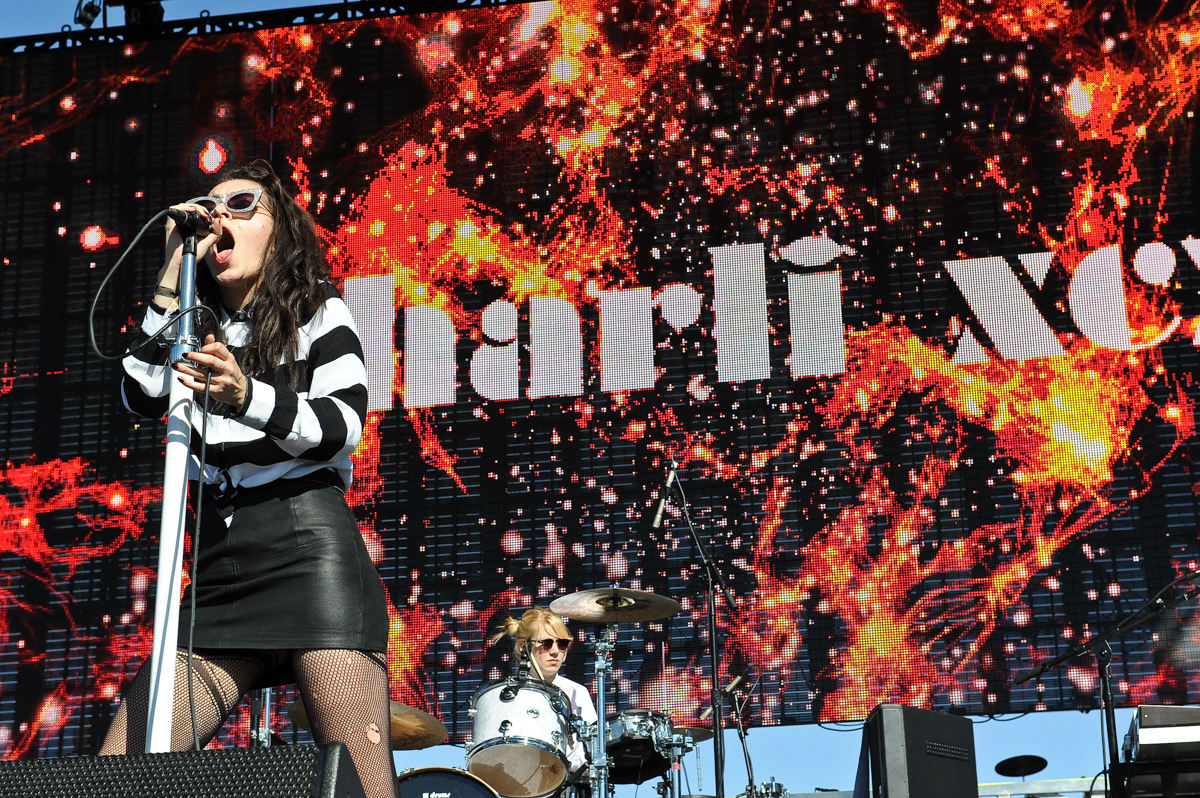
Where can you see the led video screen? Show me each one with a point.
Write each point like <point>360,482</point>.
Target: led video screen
<point>908,291</point>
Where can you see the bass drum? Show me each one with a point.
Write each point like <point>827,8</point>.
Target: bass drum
<point>520,737</point>
<point>438,782</point>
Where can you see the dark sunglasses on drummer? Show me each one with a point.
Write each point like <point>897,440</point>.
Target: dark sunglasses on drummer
<point>548,643</point>
<point>243,201</point>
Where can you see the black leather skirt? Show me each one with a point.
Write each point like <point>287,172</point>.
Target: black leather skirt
<point>290,572</point>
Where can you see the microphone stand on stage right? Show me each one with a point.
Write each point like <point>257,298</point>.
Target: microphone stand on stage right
<point>738,708</point>
<point>713,579</point>
<point>1117,771</point>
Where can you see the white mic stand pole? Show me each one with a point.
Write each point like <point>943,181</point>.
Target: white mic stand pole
<point>174,512</point>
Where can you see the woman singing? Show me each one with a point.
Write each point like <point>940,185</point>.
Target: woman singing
<point>549,640</point>
<point>285,589</point>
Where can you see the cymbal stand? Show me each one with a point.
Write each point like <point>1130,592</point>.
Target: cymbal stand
<point>598,769</point>
<point>676,747</point>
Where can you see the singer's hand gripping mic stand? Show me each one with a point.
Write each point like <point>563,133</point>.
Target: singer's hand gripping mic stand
<point>714,579</point>
<point>174,508</point>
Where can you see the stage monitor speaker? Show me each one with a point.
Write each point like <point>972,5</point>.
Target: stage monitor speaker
<point>294,771</point>
<point>916,753</point>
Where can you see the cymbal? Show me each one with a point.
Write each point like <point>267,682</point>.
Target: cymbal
<point>1021,766</point>
<point>697,734</point>
<point>412,729</point>
<point>614,605</point>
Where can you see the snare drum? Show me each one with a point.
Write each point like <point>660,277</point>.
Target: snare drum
<point>438,782</point>
<point>520,737</point>
<point>633,742</point>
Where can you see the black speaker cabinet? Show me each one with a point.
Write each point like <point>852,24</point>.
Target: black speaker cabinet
<point>916,753</point>
<point>297,771</point>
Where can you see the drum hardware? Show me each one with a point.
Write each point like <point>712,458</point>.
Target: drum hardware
<point>583,730</point>
<point>527,756</point>
<point>598,768</point>
<point>772,789</point>
<point>674,748</point>
<point>609,606</point>
<point>412,729</point>
<point>768,789</point>
<point>695,734</point>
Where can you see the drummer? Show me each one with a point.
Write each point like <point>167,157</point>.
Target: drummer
<point>547,636</point>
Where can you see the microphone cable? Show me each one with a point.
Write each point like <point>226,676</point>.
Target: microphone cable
<point>161,334</point>
<point>191,671</point>
<point>198,308</point>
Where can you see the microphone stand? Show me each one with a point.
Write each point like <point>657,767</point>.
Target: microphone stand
<point>174,509</point>
<point>1100,644</point>
<point>751,790</point>
<point>714,579</point>
<point>260,718</point>
<point>525,663</point>
<point>515,683</point>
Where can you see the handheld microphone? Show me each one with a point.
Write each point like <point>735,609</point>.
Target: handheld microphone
<point>189,221</point>
<point>728,691</point>
<point>666,494</point>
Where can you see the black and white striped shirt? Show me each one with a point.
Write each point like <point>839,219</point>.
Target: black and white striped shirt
<point>279,432</point>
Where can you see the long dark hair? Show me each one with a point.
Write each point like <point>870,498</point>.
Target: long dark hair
<point>288,285</point>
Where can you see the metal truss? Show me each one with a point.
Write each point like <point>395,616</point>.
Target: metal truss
<point>236,23</point>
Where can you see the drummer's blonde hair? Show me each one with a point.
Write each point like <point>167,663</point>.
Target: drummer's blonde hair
<point>529,625</point>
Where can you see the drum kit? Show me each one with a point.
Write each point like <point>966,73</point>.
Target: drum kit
<point>522,729</point>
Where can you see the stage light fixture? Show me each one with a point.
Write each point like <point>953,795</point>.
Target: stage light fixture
<point>86,12</point>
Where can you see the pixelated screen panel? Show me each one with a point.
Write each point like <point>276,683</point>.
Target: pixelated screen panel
<point>907,292</point>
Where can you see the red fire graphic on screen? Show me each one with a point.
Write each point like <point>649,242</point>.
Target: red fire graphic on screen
<point>1059,426</point>
<point>108,516</point>
<point>597,99</point>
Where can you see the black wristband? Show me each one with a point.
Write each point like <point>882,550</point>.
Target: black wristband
<point>169,293</point>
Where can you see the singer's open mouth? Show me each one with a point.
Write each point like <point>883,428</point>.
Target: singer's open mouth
<point>223,249</point>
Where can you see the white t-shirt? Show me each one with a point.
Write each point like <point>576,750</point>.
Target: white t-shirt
<point>581,705</point>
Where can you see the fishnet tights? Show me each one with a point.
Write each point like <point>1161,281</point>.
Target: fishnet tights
<point>345,694</point>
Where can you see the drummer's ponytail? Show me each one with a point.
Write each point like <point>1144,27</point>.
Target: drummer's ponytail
<point>509,627</point>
